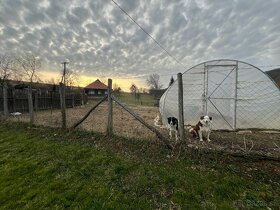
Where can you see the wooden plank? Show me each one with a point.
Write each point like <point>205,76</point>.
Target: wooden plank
<point>87,114</point>
<point>181,106</point>
<point>141,120</point>
<point>14,100</point>
<point>5,100</point>
<point>30,105</point>
<point>73,100</point>
<point>36,103</point>
<point>110,110</point>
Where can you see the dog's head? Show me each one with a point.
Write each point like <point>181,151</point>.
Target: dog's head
<point>205,120</point>
<point>173,122</point>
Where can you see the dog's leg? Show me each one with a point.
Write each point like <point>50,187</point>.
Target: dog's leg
<point>208,135</point>
<point>170,133</point>
<point>200,135</point>
<point>176,135</point>
<point>195,134</point>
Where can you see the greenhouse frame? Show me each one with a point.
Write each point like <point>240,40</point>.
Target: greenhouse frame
<point>237,95</point>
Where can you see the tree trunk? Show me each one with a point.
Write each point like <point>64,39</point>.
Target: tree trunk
<point>30,105</point>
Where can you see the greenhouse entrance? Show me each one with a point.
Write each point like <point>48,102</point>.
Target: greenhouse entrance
<point>220,93</point>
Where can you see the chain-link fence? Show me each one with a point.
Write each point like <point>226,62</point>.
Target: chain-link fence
<point>235,94</point>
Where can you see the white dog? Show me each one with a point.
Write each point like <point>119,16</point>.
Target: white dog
<point>204,126</point>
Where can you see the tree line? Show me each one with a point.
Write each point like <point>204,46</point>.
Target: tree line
<point>153,83</point>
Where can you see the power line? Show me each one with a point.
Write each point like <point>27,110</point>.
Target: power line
<point>163,48</point>
<point>149,35</point>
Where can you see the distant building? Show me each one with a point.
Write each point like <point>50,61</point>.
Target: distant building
<point>97,88</point>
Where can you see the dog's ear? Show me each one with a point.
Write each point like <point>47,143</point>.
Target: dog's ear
<point>210,118</point>
<point>168,120</point>
<point>202,117</point>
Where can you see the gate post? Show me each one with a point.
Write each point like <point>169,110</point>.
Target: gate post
<point>181,107</point>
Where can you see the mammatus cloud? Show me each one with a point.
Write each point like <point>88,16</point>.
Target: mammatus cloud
<point>99,39</point>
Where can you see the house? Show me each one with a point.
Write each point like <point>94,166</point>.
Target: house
<point>97,88</point>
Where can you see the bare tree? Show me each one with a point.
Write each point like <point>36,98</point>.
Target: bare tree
<point>133,88</point>
<point>116,89</point>
<point>52,81</point>
<point>71,77</point>
<point>7,71</point>
<point>29,65</point>
<point>153,81</point>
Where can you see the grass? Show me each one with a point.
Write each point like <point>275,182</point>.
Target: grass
<point>45,168</point>
<point>144,99</point>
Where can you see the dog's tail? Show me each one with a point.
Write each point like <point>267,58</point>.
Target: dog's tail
<point>188,127</point>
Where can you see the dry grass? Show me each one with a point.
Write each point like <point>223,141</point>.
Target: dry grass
<point>125,125</point>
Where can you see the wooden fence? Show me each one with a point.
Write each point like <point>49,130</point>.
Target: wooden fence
<point>18,100</point>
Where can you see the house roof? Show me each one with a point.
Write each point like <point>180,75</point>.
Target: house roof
<point>97,85</point>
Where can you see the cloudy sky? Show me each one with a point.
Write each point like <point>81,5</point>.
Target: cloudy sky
<point>101,41</point>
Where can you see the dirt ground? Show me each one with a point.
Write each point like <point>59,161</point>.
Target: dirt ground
<point>125,125</point>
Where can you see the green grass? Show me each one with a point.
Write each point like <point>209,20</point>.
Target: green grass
<point>129,98</point>
<point>44,168</point>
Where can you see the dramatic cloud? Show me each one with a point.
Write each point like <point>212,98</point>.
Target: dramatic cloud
<point>99,39</point>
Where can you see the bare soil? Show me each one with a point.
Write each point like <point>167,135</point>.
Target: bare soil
<point>125,125</point>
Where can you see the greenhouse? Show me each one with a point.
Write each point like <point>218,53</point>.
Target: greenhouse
<point>237,95</point>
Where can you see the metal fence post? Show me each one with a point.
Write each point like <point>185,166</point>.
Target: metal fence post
<point>181,107</point>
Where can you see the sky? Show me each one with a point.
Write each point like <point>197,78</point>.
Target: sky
<point>101,41</point>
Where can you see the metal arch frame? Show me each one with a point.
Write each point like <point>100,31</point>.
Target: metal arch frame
<point>237,61</point>
<point>221,60</point>
<point>218,60</point>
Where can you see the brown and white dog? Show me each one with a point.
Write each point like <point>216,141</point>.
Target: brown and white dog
<point>204,126</point>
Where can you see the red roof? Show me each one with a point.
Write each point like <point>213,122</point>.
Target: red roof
<point>97,85</point>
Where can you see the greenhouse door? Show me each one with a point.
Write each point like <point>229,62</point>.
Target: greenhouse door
<point>220,91</point>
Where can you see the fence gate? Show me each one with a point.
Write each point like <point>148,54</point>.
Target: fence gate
<point>220,94</point>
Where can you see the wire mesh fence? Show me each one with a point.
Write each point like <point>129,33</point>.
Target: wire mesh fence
<point>235,94</point>
<point>216,92</point>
